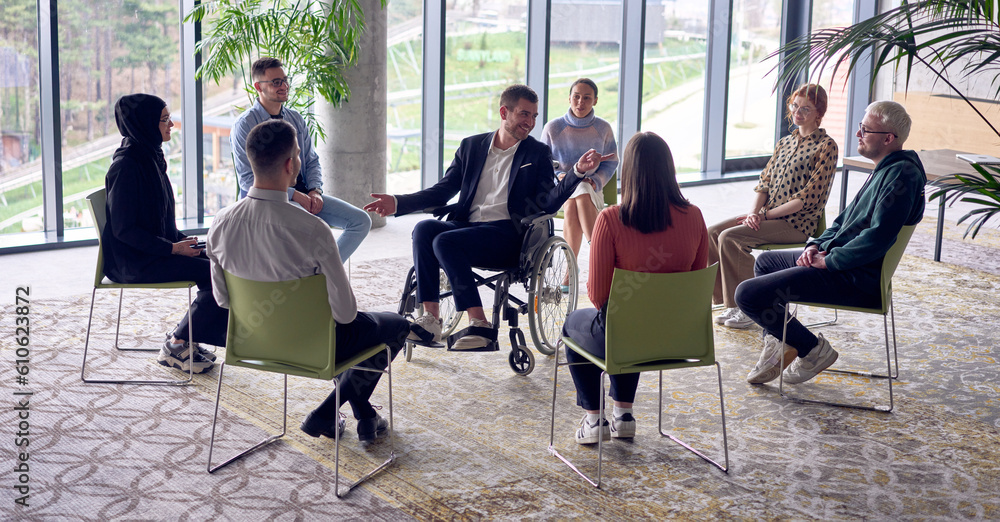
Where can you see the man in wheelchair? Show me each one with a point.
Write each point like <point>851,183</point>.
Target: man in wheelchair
<point>501,178</point>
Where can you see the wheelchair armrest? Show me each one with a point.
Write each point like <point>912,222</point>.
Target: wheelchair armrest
<point>535,219</point>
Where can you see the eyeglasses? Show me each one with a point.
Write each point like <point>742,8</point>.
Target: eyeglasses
<point>278,82</point>
<point>863,130</point>
<point>165,119</point>
<point>793,108</point>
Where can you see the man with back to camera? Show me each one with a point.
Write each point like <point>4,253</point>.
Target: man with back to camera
<point>272,87</point>
<point>501,177</point>
<point>844,264</point>
<point>263,237</point>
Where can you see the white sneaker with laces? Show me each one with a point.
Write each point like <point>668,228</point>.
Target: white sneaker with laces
<point>425,326</point>
<point>804,368</point>
<point>767,368</point>
<point>739,320</point>
<point>179,356</point>
<point>471,341</point>
<point>590,433</point>
<point>725,315</point>
<point>623,427</point>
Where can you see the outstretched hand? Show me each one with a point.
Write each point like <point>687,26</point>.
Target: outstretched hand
<point>384,205</point>
<point>591,159</point>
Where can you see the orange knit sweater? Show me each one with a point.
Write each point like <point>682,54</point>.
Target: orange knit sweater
<point>681,248</point>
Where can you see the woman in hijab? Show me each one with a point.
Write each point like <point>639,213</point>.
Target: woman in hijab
<point>141,240</point>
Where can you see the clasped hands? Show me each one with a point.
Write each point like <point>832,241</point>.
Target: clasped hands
<point>312,202</point>
<point>812,256</point>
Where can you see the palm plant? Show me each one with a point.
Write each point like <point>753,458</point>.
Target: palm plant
<point>937,34</point>
<point>315,40</point>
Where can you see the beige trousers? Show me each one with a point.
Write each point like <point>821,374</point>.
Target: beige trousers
<point>730,244</point>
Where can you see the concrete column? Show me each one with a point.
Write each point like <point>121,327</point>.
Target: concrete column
<point>354,155</point>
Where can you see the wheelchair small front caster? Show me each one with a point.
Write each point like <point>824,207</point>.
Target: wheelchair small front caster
<point>408,348</point>
<point>521,360</point>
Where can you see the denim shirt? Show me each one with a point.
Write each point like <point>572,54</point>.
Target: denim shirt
<point>310,172</point>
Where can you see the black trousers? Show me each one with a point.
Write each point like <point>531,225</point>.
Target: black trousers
<point>356,386</point>
<point>210,319</point>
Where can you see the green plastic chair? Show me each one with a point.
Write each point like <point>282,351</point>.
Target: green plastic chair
<point>97,203</point>
<point>287,327</point>
<point>889,264</point>
<point>820,228</point>
<point>655,322</point>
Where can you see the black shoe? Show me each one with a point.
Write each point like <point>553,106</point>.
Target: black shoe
<point>314,426</point>
<point>373,428</point>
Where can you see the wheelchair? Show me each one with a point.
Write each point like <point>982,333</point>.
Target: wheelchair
<point>546,260</point>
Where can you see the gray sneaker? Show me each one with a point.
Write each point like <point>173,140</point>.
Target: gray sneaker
<point>767,368</point>
<point>179,356</point>
<point>804,368</point>
<point>207,354</point>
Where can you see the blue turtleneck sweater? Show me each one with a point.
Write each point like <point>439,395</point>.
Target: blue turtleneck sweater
<point>569,137</point>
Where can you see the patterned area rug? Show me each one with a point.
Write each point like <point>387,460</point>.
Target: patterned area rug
<point>472,435</point>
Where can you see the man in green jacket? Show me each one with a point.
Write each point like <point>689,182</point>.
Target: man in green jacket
<point>843,266</point>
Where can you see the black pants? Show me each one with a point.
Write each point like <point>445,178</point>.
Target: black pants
<point>356,386</point>
<point>586,327</point>
<point>210,320</point>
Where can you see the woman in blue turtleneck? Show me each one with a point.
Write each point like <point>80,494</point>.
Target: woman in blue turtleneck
<point>570,137</point>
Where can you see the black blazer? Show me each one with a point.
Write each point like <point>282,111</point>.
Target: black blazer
<point>531,187</point>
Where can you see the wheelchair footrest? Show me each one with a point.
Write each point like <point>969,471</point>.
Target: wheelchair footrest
<point>488,333</point>
<point>426,344</point>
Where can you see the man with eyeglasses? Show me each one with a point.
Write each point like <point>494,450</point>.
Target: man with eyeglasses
<point>843,266</point>
<point>272,86</point>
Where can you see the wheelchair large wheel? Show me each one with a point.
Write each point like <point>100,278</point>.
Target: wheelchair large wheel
<point>549,306</point>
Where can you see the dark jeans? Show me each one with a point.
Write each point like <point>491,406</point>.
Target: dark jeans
<point>457,247</point>
<point>209,319</point>
<point>586,327</point>
<point>356,386</point>
<point>778,280</point>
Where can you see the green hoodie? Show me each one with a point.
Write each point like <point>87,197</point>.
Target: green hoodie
<point>892,197</point>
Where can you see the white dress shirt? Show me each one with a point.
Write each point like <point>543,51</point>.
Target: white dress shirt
<point>490,201</point>
<point>263,237</point>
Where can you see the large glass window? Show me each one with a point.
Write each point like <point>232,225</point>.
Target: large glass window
<point>752,106</point>
<point>673,84</point>
<point>405,66</point>
<point>108,49</point>
<point>584,43</point>
<point>827,14</point>
<point>20,166</point>
<point>484,53</point>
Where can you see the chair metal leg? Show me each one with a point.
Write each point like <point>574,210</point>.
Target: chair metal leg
<point>392,435</point>
<point>888,376</point>
<point>86,346</point>
<point>725,439</point>
<point>552,426</point>
<point>255,447</point>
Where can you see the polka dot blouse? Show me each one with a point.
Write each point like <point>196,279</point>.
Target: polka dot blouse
<point>801,168</point>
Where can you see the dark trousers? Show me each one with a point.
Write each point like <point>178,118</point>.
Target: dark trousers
<point>586,327</point>
<point>457,247</point>
<point>778,280</point>
<point>209,319</point>
<point>356,386</point>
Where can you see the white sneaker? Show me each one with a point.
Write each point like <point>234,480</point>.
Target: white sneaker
<point>590,433</point>
<point>179,356</point>
<point>767,368</point>
<point>425,329</point>
<point>819,359</point>
<point>470,341</point>
<point>739,320</point>
<point>725,315</point>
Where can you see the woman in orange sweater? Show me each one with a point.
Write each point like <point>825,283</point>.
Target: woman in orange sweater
<point>655,229</point>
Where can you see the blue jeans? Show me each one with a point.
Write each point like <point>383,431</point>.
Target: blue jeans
<point>457,246</point>
<point>778,280</point>
<point>586,327</point>
<point>338,213</point>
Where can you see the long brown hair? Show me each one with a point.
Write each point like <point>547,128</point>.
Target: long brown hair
<point>649,184</point>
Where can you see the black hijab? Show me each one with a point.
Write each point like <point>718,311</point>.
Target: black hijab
<point>138,119</point>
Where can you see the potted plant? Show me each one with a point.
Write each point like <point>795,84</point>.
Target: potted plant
<point>316,40</point>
